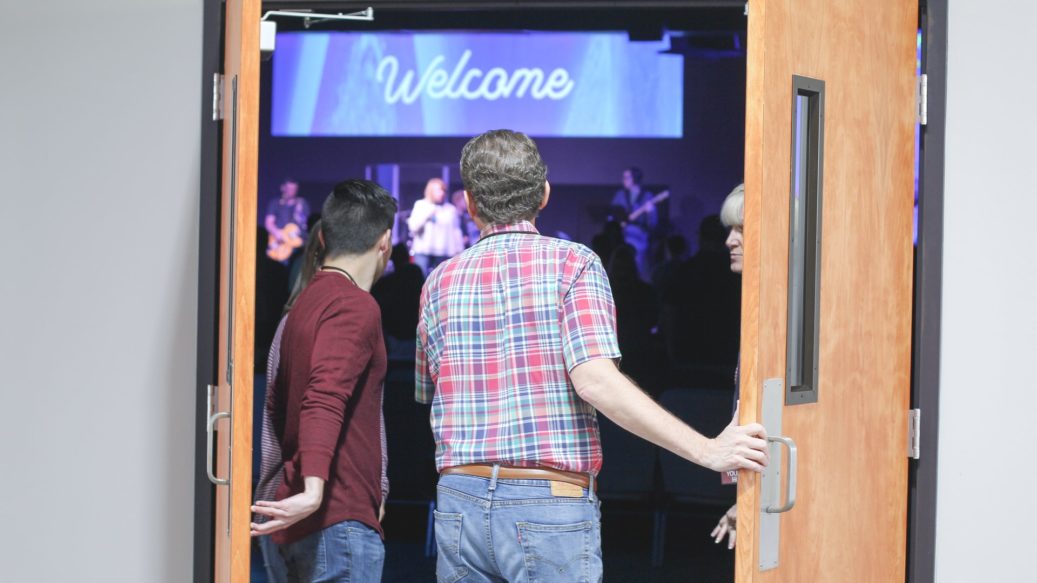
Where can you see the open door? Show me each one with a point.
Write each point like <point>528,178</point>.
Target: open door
<point>230,401</point>
<point>826,304</point>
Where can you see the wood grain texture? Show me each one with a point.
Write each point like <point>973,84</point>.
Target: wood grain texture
<point>850,521</point>
<point>751,383</point>
<point>241,60</point>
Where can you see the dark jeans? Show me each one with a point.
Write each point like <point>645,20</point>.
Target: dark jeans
<point>276,572</point>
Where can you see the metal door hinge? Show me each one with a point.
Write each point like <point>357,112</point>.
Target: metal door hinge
<point>217,97</point>
<point>914,434</point>
<point>923,99</point>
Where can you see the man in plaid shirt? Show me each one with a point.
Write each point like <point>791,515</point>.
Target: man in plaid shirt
<point>516,351</point>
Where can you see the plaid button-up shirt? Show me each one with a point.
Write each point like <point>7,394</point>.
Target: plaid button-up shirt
<point>501,327</point>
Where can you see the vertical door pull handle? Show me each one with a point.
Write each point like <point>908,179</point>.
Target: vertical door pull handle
<point>209,430</point>
<point>790,476</point>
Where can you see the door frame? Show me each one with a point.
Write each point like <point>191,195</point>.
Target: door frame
<point>209,188</point>
<point>928,293</point>
<point>921,535</point>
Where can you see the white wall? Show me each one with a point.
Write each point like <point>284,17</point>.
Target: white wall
<point>99,154</point>
<point>100,116</point>
<point>988,389</point>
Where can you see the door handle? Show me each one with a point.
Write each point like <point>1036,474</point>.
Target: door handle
<point>210,429</point>
<point>790,476</point>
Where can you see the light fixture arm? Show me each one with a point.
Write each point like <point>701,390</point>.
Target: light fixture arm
<point>311,18</point>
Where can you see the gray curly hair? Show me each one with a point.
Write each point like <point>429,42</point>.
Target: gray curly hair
<point>503,172</point>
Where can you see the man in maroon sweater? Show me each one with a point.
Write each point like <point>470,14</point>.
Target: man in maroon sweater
<point>328,394</point>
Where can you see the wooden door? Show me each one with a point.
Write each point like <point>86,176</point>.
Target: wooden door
<point>231,409</point>
<point>849,520</point>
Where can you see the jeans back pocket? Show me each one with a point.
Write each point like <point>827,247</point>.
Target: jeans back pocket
<point>561,553</point>
<point>449,566</point>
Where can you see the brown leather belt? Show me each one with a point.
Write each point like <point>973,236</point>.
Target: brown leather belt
<point>514,473</point>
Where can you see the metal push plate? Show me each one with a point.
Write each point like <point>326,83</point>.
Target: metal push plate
<point>770,483</point>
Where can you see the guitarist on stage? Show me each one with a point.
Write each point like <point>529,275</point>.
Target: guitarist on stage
<point>637,231</point>
<point>286,221</point>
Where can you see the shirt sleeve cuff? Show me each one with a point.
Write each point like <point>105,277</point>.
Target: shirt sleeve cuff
<point>423,396</point>
<point>576,361</point>
<point>315,464</point>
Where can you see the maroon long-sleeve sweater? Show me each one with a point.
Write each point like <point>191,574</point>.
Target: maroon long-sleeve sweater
<point>329,387</point>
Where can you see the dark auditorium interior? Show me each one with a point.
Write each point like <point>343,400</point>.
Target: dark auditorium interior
<point>678,334</point>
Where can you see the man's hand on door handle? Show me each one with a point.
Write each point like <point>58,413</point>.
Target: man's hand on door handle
<point>738,447</point>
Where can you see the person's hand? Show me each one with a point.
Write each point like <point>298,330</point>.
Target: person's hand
<point>284,513</point>
<point>381,511</point>
<point>738,447</point>
<point>726,526</point>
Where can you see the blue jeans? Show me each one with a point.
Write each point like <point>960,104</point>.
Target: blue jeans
<point>492,530</point>
<point>346,552</point>
<point>276,571</point>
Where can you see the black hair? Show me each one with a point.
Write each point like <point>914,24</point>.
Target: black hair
<point>711,230</point>
<point>312,257</point>
<point>355,215</point>
<point>400,255</point>
<point>677,245</point>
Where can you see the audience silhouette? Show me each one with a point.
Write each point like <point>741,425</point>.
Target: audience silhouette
<point>637,313</point>
<point>398,294</point>
<point>701,304</point>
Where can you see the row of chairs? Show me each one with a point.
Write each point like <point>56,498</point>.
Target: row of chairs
<point>412,466</point>
<point>637,470</point>
<point>633,470</point>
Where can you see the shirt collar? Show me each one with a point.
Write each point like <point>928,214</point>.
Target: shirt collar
<point>519,227</point>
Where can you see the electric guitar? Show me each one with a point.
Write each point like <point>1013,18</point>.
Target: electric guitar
<point>634,214</point>
<point>281,249</point>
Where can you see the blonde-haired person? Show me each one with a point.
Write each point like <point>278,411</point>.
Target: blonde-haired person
<point>732,214</point>
<point>436,227</point>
